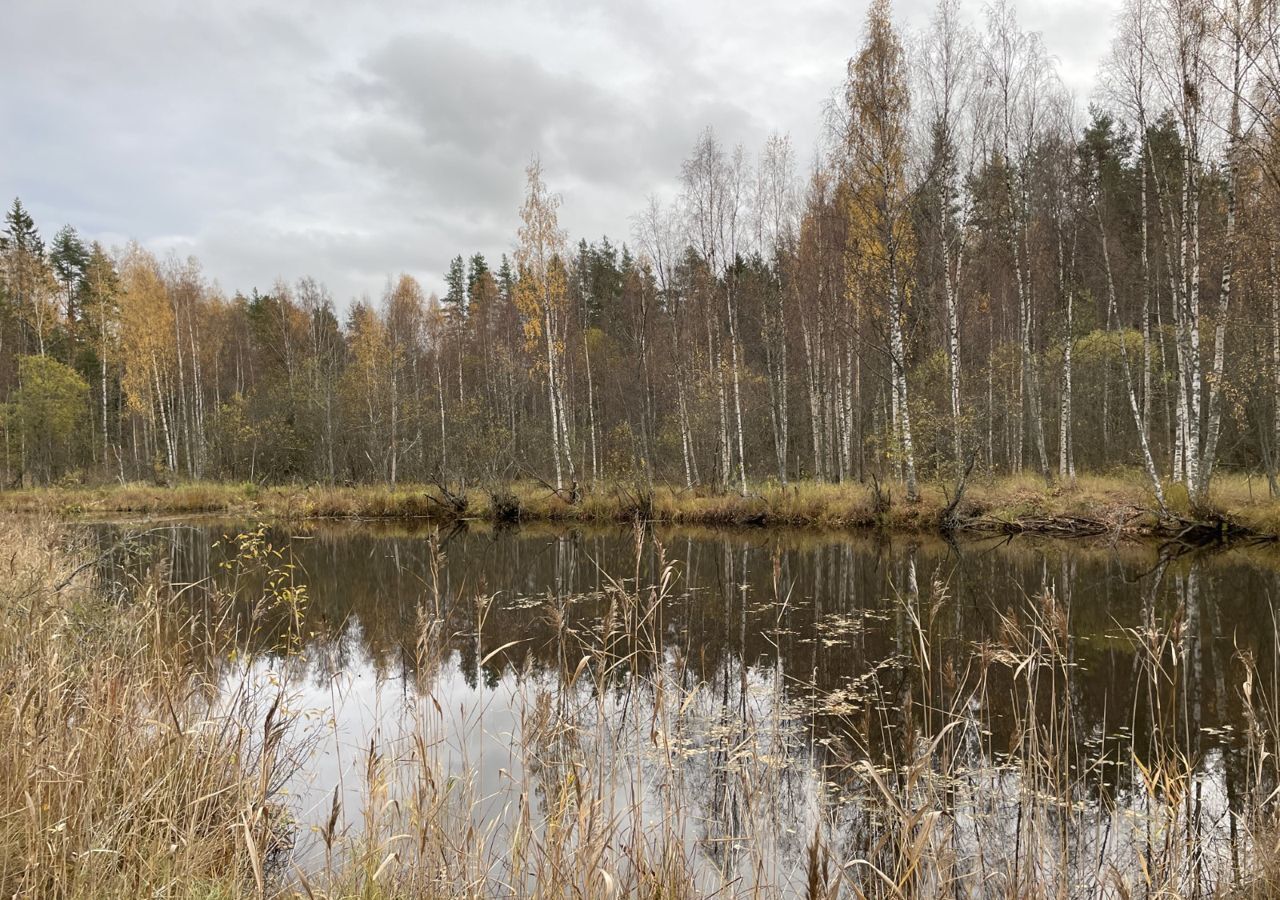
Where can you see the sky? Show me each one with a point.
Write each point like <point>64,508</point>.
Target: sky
<point>355,141</point>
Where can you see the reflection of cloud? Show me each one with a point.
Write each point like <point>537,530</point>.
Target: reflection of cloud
<point>354,141</point>
<point>746,690</point>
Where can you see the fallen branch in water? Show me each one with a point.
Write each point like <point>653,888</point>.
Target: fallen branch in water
<point>949,521</point>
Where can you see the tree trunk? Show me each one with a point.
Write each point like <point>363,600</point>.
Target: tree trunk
<point>444,433</point>
<point>591,410</point>
<point>1275,361</point>
<point>951,285</point>
<point>737,387</point>
<point>815,415</point>
<point>898,357</point>
<point>553,395</point>
<point>1147,458</point>
<point>1214,423</point>
<point>1146,298</point>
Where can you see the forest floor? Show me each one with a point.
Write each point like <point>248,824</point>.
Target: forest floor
<point>1121,503</point>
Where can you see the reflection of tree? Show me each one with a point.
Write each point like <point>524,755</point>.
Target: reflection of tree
<point>846,626</point>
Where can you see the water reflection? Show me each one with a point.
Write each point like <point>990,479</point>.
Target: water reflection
<point>821,668</point>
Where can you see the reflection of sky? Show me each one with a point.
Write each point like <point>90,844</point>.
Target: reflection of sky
<point>750,756</point>
<point>728,768</point>
<point>347,712</point>
<point>710,751</point>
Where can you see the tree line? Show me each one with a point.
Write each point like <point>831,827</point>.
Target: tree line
<point>968,272</point>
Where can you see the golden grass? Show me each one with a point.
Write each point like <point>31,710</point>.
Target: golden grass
<point>121,775</point>
<point>1119,503</point>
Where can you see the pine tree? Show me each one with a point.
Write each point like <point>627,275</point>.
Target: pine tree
<point>20,232</point>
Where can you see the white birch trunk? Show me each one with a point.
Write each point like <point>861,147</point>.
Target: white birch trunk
<point>1214,423</point>
<point>1147,459</point>
<point>591,410</point>
<point>553,397</point>
<point>951,284</point>
<point>1275,365</point>
<point>737,389</point>
<point>898,353</point>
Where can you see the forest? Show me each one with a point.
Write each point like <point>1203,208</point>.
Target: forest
<point>969,270</point>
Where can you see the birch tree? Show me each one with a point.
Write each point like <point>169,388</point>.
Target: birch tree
<point>657,232</point>
<point>541,296</point>
<point>149,353</point>
<point>713,197</point>
<point>949,88</point>
<point>775,213</point>
<point>880,233</point>
<point>1020,81</point>
<point>101,310</point>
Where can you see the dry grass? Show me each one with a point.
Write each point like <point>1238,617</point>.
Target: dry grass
<point>570,817</point>
<point>1118,503</point>
<point>953,812</point>
<point>122,775</point>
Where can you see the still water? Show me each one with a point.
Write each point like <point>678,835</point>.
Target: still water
<point>805,664</point>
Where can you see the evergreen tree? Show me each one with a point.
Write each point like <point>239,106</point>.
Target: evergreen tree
<point>69,258</point>
<point>477,268</point>
<point>455,298</point>
<point>25,274</point>
<point>506,280</point>
<point>21,253</point>
<point>20,234</point>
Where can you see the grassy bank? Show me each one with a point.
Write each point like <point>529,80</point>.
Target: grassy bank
<point>1116,504</point>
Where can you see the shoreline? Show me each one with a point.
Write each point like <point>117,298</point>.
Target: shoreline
<point>1093,506</point>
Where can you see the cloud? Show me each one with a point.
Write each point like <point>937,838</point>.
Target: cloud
<point>355,141</point>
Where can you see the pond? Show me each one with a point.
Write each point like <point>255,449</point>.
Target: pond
<point>983,713</point>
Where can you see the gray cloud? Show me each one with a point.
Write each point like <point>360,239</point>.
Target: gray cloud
<point>356,141</point>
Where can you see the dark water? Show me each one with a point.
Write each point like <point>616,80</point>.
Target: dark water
<point>860,645</point>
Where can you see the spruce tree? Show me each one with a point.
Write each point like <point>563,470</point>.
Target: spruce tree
<point>455,298</point>
<point>69,258</point>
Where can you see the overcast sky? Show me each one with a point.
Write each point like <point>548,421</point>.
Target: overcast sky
<point>355,141</point>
